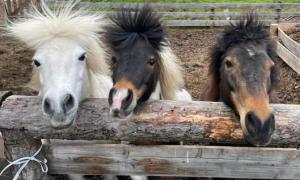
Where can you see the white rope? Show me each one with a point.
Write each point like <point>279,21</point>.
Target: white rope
<point>24,161</point>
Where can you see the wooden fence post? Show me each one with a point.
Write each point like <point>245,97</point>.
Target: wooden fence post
<point>18,145</point>
<point>3,14</point>
<point>212,16</point>
<point>278,12</point>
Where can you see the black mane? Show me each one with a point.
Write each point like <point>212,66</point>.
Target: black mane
<point>128,26</point>
<point>248,29</point>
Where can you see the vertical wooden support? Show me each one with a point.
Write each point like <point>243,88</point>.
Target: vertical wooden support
<point>273,30</point>
<point>212,16</point>
<point>278,12</point>
<point>18,145</point>
<point>3,14</point>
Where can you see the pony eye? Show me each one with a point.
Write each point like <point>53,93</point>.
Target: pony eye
<point>36,63</point>
<point>151,61</point>
<point>228,64</point>
<point>113,60</point>
<point>82,57</point>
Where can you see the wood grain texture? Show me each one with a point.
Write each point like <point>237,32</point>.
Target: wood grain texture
<point>288,42</point>
<point>158,121</point>
<point>191,161</point>
<point>16,145</point>
<point>288,57</point>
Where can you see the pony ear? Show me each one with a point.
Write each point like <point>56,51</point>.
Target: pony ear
<point>171,77</point>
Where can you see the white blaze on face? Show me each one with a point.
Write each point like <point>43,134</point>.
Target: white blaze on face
<point>118,97</point>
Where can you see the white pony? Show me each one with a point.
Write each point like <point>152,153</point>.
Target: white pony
<point>69,59</point>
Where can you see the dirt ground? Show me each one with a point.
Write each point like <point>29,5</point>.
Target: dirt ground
<point>294,33</point>
<point>191,45</point>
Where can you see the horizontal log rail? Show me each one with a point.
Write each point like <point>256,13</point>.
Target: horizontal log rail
<point>158,121</point>
<point>166,160</point>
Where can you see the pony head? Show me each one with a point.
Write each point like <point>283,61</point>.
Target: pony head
<point>244,75</point>
<point>142,61</point>
<point>67,52</point>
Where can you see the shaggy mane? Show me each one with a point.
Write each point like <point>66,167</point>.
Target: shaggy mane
<point>38,28</point>
<point>144,23</point>
<point>247,29</point>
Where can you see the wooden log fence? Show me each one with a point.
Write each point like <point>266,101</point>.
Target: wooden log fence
<point>23,125</point>
<point>287,49</point>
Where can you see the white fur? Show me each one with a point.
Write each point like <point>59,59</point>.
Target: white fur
<point>59,38</point>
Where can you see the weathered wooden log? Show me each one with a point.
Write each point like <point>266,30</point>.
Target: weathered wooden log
<point>159,121</point>
<point>17,145</point>
<point>191,161</point>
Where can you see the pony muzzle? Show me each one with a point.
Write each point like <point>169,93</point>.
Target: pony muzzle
<point>257,131</point>
<point>62,111</point>
<point>122,102</point>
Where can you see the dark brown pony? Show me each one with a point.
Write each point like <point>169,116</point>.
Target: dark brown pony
<point>242,75</point>
<point>143,64</point>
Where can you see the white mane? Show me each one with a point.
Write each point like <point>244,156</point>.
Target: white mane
<point>39,28</point>
<point>171,76</point>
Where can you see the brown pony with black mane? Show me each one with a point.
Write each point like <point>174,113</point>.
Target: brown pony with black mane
<point>243,75</point>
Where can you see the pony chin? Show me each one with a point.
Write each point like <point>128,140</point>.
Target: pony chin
<point>63,121</point>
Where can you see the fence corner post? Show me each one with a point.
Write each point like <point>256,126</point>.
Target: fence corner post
<point>18,145</point>
<point>3,14</point>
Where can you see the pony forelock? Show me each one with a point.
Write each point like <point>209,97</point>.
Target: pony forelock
<point>38,28</point>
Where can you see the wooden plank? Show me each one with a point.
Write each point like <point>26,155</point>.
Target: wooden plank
<point>288,57</point>
<point>200,23</point>
<point>197,15</point>
<point>288,42</point>
<point>182,5</point>
<point>4,95</point>
<point>163,160</point>
<point>158,121</point>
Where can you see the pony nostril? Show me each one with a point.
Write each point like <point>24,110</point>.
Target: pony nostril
<point>116,112</point>
<point>68,103</point>
<point>253,124</point>
<point>127,101</point>
<point>269,125</point>
<point>47,107</point>
<point>110,96</point>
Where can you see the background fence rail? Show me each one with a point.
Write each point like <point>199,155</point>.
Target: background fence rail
<point>183,14</point>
